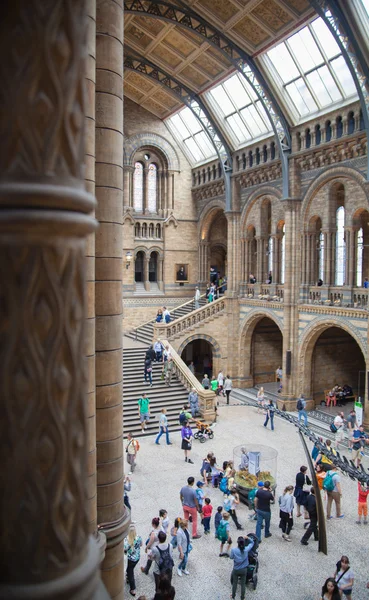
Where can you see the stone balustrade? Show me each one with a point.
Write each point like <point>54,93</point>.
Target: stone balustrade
<point>169,330</point>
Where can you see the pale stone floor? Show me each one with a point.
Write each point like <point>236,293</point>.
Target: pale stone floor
<point>286,570</point>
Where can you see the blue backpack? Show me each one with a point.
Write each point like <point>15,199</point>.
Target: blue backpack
<point>223,486</point>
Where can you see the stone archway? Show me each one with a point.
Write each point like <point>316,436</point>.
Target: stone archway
<point>260,352</point>
<point>330,354</point>
<point>195,348</point>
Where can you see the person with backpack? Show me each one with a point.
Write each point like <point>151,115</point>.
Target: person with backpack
<point>240,557</point>
<point>313,515</point>
<point>223,486</point>
<point>223,534</point>
<point>344,577</point>
<point>301,407</point>
<point>162,557</point>
<point>332,485</point>
<point>151,542</point>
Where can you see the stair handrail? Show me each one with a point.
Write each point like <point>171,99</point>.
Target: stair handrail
<point>135,329</point>
<point>197,317</point>
<point>207,398</point>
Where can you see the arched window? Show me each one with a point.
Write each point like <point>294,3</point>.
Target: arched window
<point>272,151</point>
<point>328,131</point>
<point>283,253</point>
<point>137,230</point>
<point>307,138</point>
<point>138,187</point>
<point>152,187</point>
<point>321,256</point>
<point>157,229</point>
<point>340,246</point>
<point>270,254</point>
<point>359,257</point>
<point>318,135</point>
<point>339,127</point>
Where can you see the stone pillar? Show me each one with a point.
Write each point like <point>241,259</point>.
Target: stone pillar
<point>259,259</point>
<point>146,273</point>
<point>351,245</point>
<point>163,188</point>
<point>291,298</point>
<point>276,250</point>
<point>170,197</point>
<point>303,258</point>
<point>145,208</point>
<point>127,187</point>
<point>160,273</point>
<point>112,515</point>
<point>233,254</point>
<point>45,218</point>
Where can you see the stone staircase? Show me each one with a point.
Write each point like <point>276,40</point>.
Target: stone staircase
<point>153,291</point>
<point>145,332</point>
<point>161,396</point>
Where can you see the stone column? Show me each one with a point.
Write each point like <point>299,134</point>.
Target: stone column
<point>170,197</point>
<point>259,259</point>
<point>127,187</point>
<point>351,239</point>
<point>112,515</point>
<point>145,208</point>
<point>276,250</point>
<point>160,273</point>
<point>45,218</point>
<point>233,254</point>
<point>303,258</point>
<point>146,273</point>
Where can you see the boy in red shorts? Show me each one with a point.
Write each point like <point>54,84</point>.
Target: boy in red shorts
<point>362,507</point>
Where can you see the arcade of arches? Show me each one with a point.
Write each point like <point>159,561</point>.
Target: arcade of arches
<point>284,220</point>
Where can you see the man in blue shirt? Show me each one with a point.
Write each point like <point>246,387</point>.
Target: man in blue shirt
<point>359,439</point>
<point>240,556</point>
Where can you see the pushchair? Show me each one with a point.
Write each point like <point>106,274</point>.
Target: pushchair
<point>253,566</point>
<point>204,431</point>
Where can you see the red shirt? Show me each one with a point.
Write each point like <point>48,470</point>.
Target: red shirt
<point>362,494</point>
<point>207,509</point>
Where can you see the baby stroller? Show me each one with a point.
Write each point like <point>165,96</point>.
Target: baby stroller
<point>204,431</point>
<point>253,567</point>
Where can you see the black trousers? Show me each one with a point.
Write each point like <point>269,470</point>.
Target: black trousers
<point>286,522</point>
<point>227,394</point>
<point>130,573</point>
<point>313,528</point>
<point>234,517</point>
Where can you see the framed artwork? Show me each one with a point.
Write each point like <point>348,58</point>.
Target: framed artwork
<point>181,273</point>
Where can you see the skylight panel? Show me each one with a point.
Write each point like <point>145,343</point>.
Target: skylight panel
<point>190,120</point>
<point>223,100</point>
<point>326,39</point>
<point>203,141</point>
<point>343,75</point>
<point>253,120</point>
<point>305,50</point>
<point>324,86</point>
<point>238,127</point>
<point>365,3</point>
<point>283,62</point>
<point>237,92</point>
<point>194,149</point>
<point>298,99</point>
<point>180,126</point>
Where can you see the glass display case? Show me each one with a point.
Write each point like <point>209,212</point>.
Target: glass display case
<point>253,463</point>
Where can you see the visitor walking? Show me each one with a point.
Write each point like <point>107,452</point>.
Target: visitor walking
<point>162,557</point>
<point>131,451</point>
<point>166,314</point>
<point>332,485</point>
<point>351,424</point>
<point>197,297</point>
<point>286,512</point>
<point>301,407</point>
<point>223,534</point>
<point>313,516</point>
<point>362,506</point>
<point>168,371</point>
<point>330,590</point>
<point>228,387</point>
<point>127,488</point>
<point>163,427</point>
<point>184,546</point>
<point>132,548</point>
<point>270,408</point>
<point>299,493</point>
<point>207,511</point>
<point>165,590</point>
<point>338,424</point>
<point>193,399</point>
<point>144,410</point>
<point>260,399</point>
<point>190,504</point>
<point>263,499</point>
<point>234,500</point>
<point>186,434</point>
<point>158,347</point>
<point>205,382</point>
<point>151,542</point>
<point>344,577</point>
<point>148,371</point>
<point>221,383</point>
<point>240,557</point>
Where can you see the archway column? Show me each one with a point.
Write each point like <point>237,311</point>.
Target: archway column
<point>45,218</point>
<point>233,279</point>
<point>292,208</point>
<point>303,259</point>
<point>276,254</point>
<point>203,262</point>
<point>146,262</point>
<point>160,273</point>
<point>350,239</point>
<point>145,184</point>
<point>128,187</point>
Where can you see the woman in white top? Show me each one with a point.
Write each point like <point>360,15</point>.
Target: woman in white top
<point>260,399</point>
<point>344,577</point>
<point>228,387</point>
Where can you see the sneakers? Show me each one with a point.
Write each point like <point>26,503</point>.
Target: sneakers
<point>288,539</point>
<point>130,473</point>
<point>329,518</point>
<point>179,571</point>
<point>365,522</point>
<point>190,461</point>
<point>340,517</point>
<point>186,572</point>
<point>358,522</point>
<point>268,535</point>
<point>304,543</point>
<point>196,537</point>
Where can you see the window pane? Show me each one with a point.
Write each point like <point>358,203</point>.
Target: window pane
<point>194,149</point>
<point>325,38</point>
<point>366,6</point>
<point>152,183</point>
<point>329,83</point>
<point>253,120</point>
<point>238,127</point>
<point>250,90</point>
<point>138,187</point>
<point>343,75</point>
<point>307,97</point>
<point>283,62</point>
<point>305,49</point>
<point>222,99</point>
<point>324,86</point>
<point>190,120</point>
<point>180,126</point>
<point>205,145</point>
<point>236,91</point>
<point>294,91</point>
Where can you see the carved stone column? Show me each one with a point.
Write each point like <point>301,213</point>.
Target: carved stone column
<point>351,245</point>
<point>45,217</point>
<point>160,273</point>
<point>170,196</point>
<point>112,515</point>
<point>146,273</point>
<point>145,209</point>
<point>276,251</point>
<point>127,187</point>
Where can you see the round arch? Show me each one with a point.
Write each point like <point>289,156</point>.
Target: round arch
<point>140,249</point>
<point>204,352</point>
<point>206,217</point>
<point>156,249</point>
<point>246,340</point>
<point>140,140</point>
<point>308,343</point>
<point>266,192</point>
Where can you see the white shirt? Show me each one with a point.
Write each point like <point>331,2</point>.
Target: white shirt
<point>220,378</point>
<point>197,295</point>
<point>338,421</point>
<point>228,385</point>
<point>166,312</point>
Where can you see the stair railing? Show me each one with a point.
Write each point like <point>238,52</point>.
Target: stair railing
<point>207,398</point>
<point>168,330</point>
<point>172,315</point>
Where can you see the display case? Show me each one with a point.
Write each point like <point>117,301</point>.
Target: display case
<point>253,463</point>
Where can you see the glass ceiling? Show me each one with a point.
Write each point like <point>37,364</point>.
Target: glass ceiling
<point>307,68</point>
<point>311,70</point>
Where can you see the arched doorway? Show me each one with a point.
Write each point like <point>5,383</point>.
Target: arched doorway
<point>153,267</point>
<point>218,234</point>
<point>336,359</point>
<point>266,351</point>
<point>218,258</point>
<point>200,352</point>
<point>139,266</point>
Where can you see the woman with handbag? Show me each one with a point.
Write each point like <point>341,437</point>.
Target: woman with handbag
<point>344,577</point>
<point>132,549</point>
<point>300,494</point>
<point>187,434</point>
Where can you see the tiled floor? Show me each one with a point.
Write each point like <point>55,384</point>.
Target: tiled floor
<point>288,571</point>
